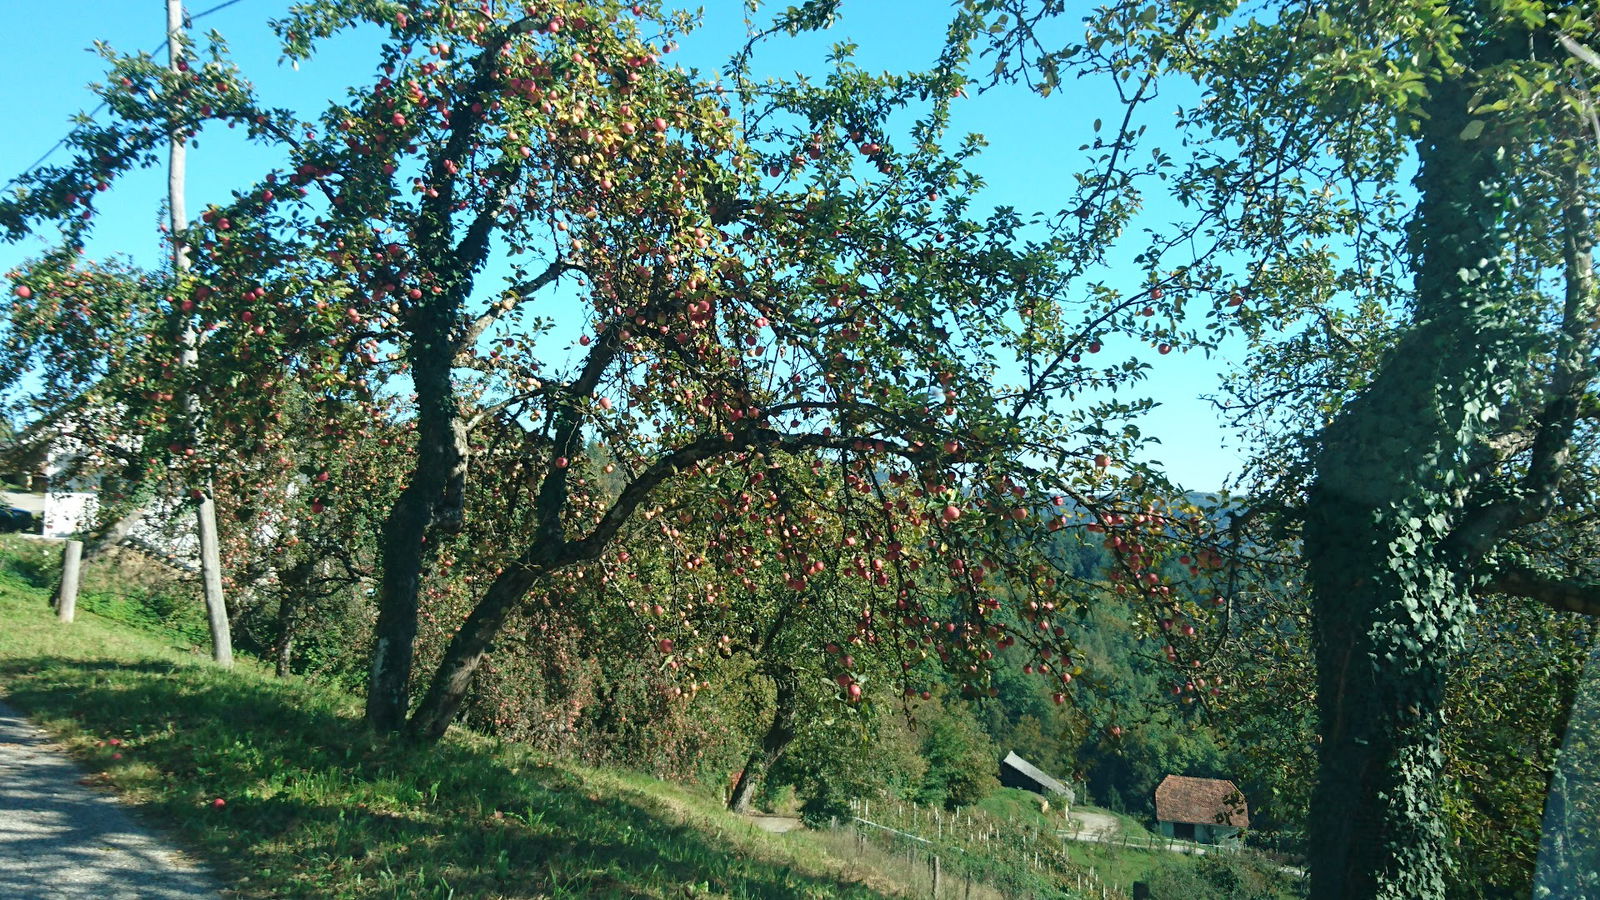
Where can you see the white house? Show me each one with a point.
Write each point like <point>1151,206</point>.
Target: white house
<point>54,456</point>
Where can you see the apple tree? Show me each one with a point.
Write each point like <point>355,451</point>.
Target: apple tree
<point>750,270</point>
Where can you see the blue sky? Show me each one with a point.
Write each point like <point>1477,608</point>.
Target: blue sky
<point>1031,158</point>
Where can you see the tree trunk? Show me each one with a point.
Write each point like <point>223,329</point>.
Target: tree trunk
<point>113,534</point>
<point>453,678</point>
<point>432,495</point>
<point>1390,592</point>
<point>283,655</point>
<point>291,586</point>
<point>777,739</point>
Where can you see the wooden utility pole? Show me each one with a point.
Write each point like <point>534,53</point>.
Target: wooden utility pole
<point>210,558</point>
<point>67,599</point>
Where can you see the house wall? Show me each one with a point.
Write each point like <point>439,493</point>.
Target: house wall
<point>67,513</point>
<point>1205,834</point>
<point>1216,834</point>
<point>1012,778</point>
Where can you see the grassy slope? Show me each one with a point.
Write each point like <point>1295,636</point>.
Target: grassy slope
<point>1120,866</point>
<point>315,807</point>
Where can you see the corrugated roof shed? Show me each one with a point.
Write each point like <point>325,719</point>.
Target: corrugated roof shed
<point>1028,770</point>
<point>1201,801</point>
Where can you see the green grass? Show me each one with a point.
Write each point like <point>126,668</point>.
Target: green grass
<point>1123,866</point>
<point>124,586</point>
<point>315,806</point>
<point>1022,808</point>
<point>1120,866</point>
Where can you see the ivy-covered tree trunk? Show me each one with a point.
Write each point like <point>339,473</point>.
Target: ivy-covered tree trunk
<point>1391,588</point>
<point>780,734</point>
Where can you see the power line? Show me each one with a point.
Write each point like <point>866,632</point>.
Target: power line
<point>62,141</point>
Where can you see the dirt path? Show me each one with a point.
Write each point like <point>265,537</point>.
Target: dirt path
<point>1094,826</point>
<point>60,840</point>
<point>776,824</point>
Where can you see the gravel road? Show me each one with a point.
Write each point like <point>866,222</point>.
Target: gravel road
<point>61,840</point>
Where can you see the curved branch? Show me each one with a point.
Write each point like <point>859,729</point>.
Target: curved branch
<point>1577,595</point>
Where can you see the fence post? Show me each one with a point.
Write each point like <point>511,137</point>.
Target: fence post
<point>936,874</point>
<point>67,600</point>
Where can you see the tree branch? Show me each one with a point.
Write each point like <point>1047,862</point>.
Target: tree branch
<point>524,291</point>
<point>1538,492</point>
<point>1578,595</point>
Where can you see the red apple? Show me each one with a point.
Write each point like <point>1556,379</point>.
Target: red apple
<point>23,291</point>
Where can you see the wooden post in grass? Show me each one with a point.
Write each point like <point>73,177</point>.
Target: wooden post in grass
<point>67,600</point>
<point>936,873</point>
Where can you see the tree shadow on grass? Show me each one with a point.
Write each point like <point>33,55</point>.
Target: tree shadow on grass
<point>316,806</point>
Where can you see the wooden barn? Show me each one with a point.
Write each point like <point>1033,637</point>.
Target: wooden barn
<point>1204,810</point>
<point>1016,772</point>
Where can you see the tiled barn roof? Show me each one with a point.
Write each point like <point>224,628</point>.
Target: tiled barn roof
<point>1201,801</point>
